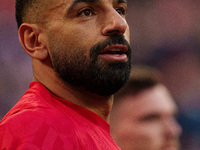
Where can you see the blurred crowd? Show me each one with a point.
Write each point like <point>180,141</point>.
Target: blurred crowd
<point>164,34</point>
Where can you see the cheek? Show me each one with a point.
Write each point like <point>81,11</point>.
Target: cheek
<point>81,34</point>
<point>134,138</point>
<point>151,135</point>
<point>127,34</point>
<point>80,41</point>
<point>67,36</point>
<point>67,41</point>
<point>145,137</point>
<point>130,133</point>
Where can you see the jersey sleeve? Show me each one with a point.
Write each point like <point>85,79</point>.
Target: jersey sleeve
<point>32,130</point>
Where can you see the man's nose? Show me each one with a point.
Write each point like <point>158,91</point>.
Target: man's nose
<point>114,23</point>
<point>173,128</point>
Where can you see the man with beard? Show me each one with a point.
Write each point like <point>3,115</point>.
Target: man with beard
<point>81,56</point>
<point>143,114</point>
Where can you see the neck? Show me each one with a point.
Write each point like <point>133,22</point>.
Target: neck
<point>101,105</point>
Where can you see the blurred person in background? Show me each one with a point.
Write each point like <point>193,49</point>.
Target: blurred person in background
<point>143,114</point>
<point>184,84</point>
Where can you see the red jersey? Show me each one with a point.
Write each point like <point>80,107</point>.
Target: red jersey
<point>42,121</point>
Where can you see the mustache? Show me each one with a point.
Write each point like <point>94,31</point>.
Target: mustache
<point>113,39</point>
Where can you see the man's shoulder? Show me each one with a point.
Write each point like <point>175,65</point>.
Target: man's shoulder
<point>36,127</point>
<point>37,107</point>
<point>31,118</point>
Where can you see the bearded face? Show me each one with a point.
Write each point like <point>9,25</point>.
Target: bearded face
<point>92,73</point>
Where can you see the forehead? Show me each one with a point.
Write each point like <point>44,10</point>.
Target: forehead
<point>95,1</point>
<point>55,3</point>
<point>154,100</point>
<point>65,5</point>
<point>58,8</point>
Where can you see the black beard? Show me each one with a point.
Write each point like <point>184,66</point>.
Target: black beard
<point>102,78</point>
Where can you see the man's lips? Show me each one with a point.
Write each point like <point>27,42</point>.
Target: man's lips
<point>115,52</point>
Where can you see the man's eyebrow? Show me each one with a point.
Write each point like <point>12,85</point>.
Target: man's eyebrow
<point>90,1</point>
<point>122,1</point>
<point>82,1</point>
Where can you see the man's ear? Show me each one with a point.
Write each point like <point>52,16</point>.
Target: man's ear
<point>33,41</point>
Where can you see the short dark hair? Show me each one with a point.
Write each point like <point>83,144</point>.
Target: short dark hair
<point>141,78</point>
<point>21,7</point>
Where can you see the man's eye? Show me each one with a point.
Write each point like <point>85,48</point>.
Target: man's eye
<point>121,10</point>
<point>86,12</point>
<point>151,117</point>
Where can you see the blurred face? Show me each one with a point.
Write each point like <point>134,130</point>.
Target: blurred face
<point>88,43</point>
<point>146,121</point>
